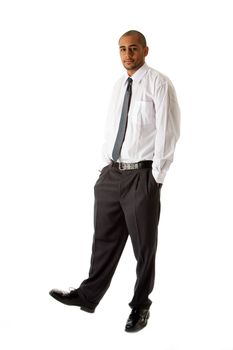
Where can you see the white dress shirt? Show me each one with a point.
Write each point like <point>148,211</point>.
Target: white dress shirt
<point>153,121</point>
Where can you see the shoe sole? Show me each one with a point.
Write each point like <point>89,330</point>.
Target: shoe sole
<point>87,309</point>
<point>135,330</point>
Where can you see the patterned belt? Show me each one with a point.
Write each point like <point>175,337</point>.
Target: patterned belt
<point>132,166</point>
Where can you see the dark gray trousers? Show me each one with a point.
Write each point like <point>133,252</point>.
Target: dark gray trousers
<point>127,203</point>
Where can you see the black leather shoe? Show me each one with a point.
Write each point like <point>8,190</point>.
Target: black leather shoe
<point>137,319</point>
<point>71,298</point>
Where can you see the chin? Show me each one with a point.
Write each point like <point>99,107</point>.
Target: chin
<point>128,66</point>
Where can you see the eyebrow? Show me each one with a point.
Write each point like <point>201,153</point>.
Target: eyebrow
<point>135,45</point>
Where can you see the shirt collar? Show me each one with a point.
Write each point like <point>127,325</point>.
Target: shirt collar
<point>139,74</point>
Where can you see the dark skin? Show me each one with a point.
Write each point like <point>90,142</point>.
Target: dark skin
<point>132,53</point>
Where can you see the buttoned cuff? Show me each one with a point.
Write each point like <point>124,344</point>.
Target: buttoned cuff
<point>159,176</point>
<point>103,164</point>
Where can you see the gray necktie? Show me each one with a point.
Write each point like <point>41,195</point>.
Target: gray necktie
<point>123,122</point>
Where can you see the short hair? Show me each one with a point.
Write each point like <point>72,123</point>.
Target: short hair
<point>141,37</point>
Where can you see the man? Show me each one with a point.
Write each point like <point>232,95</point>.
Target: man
<point>142,129</point>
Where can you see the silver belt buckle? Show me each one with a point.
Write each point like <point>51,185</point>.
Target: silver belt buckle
<point>123,166</point>
<point>128,166</point>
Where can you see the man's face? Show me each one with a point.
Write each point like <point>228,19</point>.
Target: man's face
<point>132,53</point>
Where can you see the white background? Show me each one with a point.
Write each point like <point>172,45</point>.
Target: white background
<point>58,63</point>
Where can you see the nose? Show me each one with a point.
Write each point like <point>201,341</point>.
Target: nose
<point>128,53</point>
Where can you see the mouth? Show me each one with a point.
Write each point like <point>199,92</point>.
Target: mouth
<point>128,62</point>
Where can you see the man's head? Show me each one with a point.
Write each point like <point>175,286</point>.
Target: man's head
<point>133,50</point>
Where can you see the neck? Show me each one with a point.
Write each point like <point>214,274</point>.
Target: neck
<point>130,72</point>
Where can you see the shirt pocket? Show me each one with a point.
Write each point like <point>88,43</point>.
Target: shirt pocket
<point>143,113</point>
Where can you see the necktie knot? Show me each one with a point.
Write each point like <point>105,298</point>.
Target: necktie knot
<point>129,81</point>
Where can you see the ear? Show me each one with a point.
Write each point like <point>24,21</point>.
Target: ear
<point>146,50</point>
